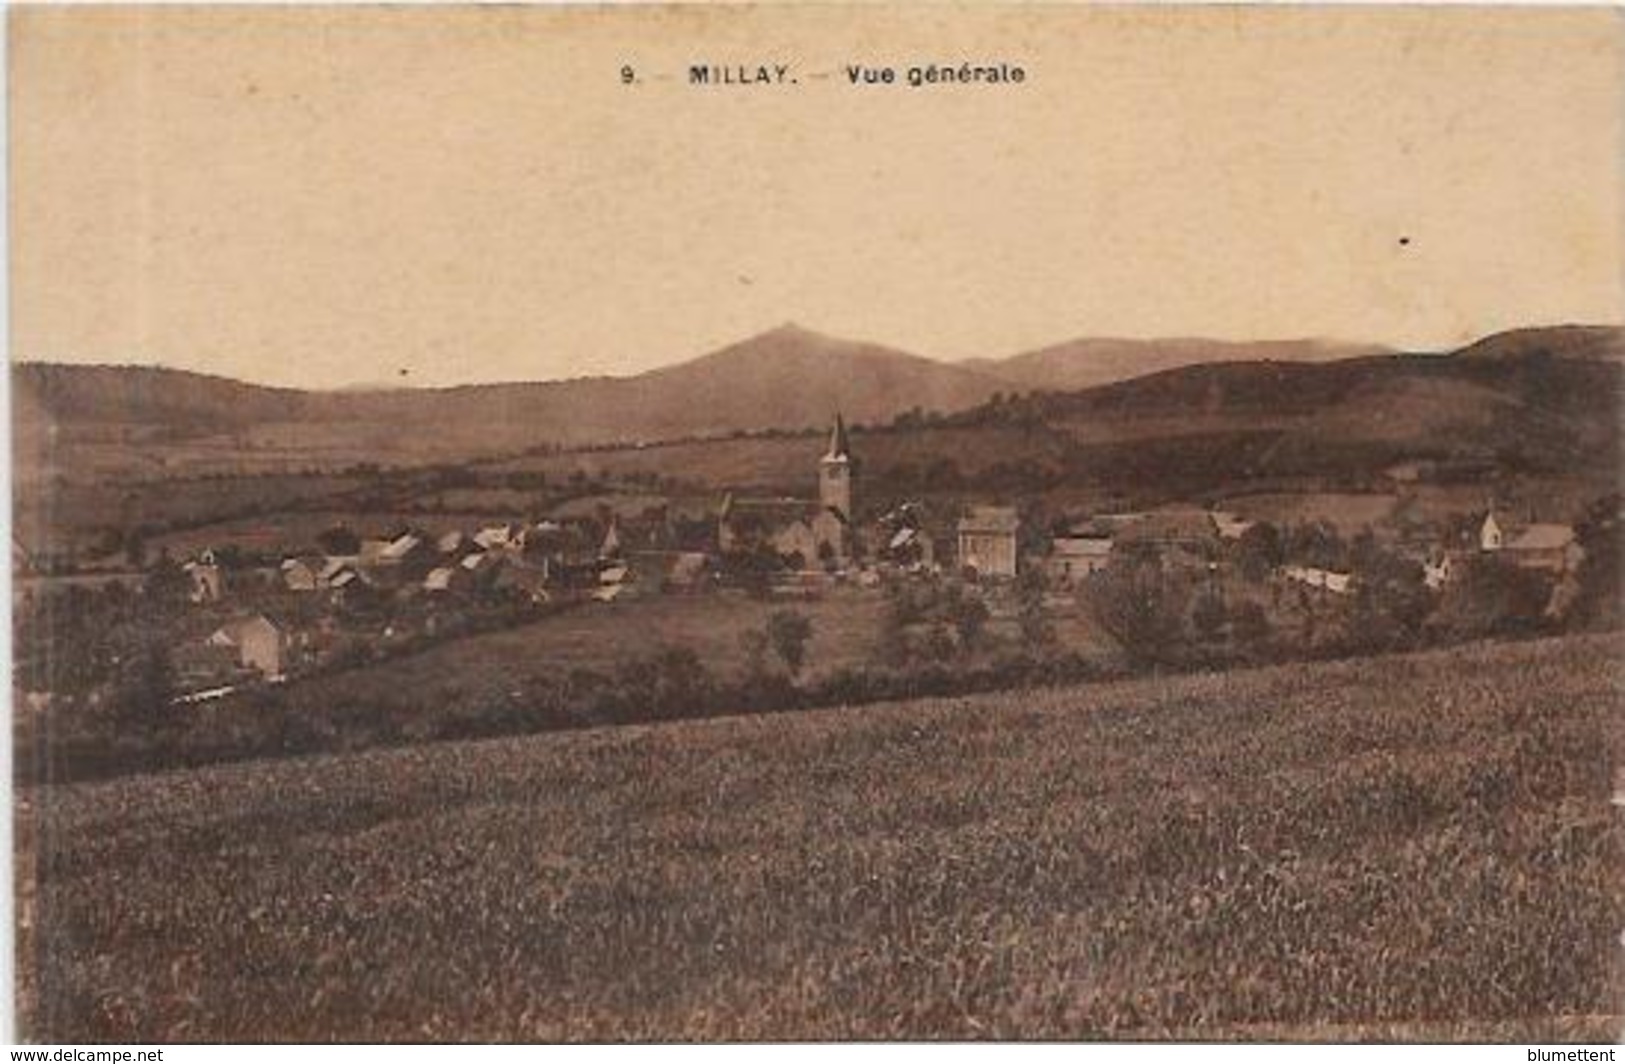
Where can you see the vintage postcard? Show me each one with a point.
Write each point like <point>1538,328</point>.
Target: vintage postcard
<point>917,522</point>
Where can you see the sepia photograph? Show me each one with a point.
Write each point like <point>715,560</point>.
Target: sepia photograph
<point>816,523</point>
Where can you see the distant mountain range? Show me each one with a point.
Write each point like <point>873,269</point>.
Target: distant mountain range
<point>787,378</point>
<point>1546,402</point>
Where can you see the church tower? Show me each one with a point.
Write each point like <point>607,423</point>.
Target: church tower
<point>835,471</point>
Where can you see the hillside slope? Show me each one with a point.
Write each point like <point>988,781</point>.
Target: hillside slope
<point>1090,363</point>
<point>786,378</point>
<point>1407,848</point>
<point>1541,399</point>
<point>1524,410</point>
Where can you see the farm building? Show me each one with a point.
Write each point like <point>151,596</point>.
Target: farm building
<point>339,573</point>
<point>448,578</point>
<point>404,552</point>
<point>903,539</point>
<point>670,571</point>
<point>1537,545</point>
<point>1543,546</point>
<point>256,643</point>
<point>301,574</point>
<point>987,540</point>
<point>1229,525</point>
<point>1436,571</point>
<point>566,552</point>
<point>1323,579</point>
<point>1073,557</point>
<point>1175,538</point>
<point>500,537</point>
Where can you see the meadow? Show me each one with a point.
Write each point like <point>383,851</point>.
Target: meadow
<point>605,636</point>
<point>1408,847</point>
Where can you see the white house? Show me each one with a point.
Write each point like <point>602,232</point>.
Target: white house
<point>256,640</point>
<point>987,540</point>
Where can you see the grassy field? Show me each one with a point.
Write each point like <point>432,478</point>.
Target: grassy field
<point>789,463</point>
<point>1409,847</point>
<point>604,636</point>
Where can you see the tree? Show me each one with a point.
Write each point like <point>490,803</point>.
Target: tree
<point>1036,631</point>
<point>789,632</point>
<point>1600,589</point>
<point>1318,544</point>
<point>167,583</point>
<point>1140,607</point>
<point>1390,600</point>
<point>892,646</point>
<point>1491,596</point>
<point>967,613</point>
<point>142,694</point>
<point>339,540</point>
<point>682,684</point>
<point>1258,551</point>
<point>939,642</point>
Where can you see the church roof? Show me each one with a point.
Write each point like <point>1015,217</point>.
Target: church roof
<point>781,508</point>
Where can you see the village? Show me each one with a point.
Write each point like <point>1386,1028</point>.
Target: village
<point>350,600</point>
<point>881,524</point>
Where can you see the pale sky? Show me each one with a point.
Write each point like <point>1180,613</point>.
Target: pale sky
<point>327,196</point>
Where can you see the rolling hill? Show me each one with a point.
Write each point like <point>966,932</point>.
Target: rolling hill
<point>1602,342</point>
<point>1545,399</point>
<point>1093,362</point>
<point>785,378</point>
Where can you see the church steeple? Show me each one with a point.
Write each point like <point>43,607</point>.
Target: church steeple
<point>835,472</point>
<point>839,447</point>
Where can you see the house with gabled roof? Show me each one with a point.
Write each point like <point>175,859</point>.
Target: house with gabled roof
<point>1076,555</point>
<point>1552,547</point>
<point>1543,545</point>
<point>253,642</point>
<point>987,540</point>
<point>301,574</point>
<point>446,579</point>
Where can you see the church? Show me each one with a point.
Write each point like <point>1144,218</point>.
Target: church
<point>806,533</point>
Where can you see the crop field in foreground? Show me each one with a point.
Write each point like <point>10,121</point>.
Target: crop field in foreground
<point>1406,847</point>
